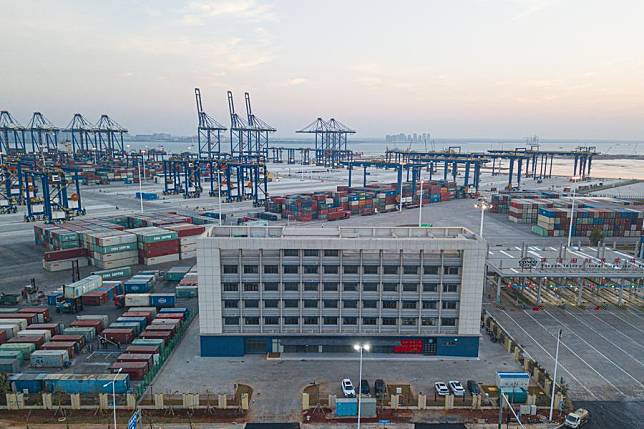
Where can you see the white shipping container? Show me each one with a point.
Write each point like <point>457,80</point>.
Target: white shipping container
<point>10,330</point>
<point>161,259</point>
<point>189,254</point>
<point>36,333</point>
<point>53,266</point>
<point>190,240</point>
<point>153,310</point>
<point>137,299</point>
<point>116,256</point>
<point>49,358</point>
<point>22,323</point>
<point>81,287</point>
<point>115,264</point>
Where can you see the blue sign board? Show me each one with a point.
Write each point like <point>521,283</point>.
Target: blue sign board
<point>134,421</point>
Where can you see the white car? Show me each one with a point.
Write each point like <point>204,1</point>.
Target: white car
<point>441,388</point>
<point>456,388</point>
<point>347,388</point>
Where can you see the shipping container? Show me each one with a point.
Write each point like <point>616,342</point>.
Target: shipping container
<point>50,359</point>
<point>148,342</point>
<point>162,335</point>
<point>186,291</point>
<point>88,332</point>
<point>10,365</point>
<point>13,354</point>
<point>21,323</point>
<point>79,288</point>
<point>136,370</point>
<point>162,300</point>
<point>36,340</point>
<point>134,326</point>
<point>146,309</point>
<point>68,346</point>
<point>137,357</point>
<point>43,313</point>
<point>37,332</point>
<point>10,330</point>
<point>15,317</point>
<point>96,324</point>
<point>120,336</point>
<point>102,317</point>
<point>173,322</point>
<point>142,321</point>
<point>136,300</point>
<point>116,273</point>
<point>81,383</point>
<point>25,348</point>
<point>27,383</point>
<point>53,328</point>
<point>150,349</point>
<point>147,314</point>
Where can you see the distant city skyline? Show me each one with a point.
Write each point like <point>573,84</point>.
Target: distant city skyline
<point>560,69</point>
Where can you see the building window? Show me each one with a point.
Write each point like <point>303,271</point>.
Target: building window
<point>350,287</point>
<point>251,320</point>
<point>291,252</point>
<point>390,287</point>
<point>330,286</point>
<point>390,269</point>
<point>271,286</point>
<point>251,287</point>
<point>251,303</point>
<point>449,305</point>
<point>331,269</point>
<point>291,303</point>
<point>230,303</point>
<point>350,321</point>
<point>409,305</point>
<point>451,270</point>
<point>408,321</point>
<point>291,286</point>
<point>291,321</point>
<point>310,320</point>
<point>330,303</point>
<point>450,287</point>
<point>230,269</point>
<point>410,287</point>
<point>429,321</point>
<point>251,269</point>
<point>350,303</point>
<point>310,303</point>
<point>311,252</point>
<point>310,269</point>
<point>389,321</point>
<point>369,303</point>
<point>448,321</point>
<point>370,287</point>
<point>430,287</point>
<point>389,304</point>
<point>369,321</point>
<point>370,269</point>
<point>271,303</point>
<point>330,320</point>
<point>231,320</point>
<point>350,269</point>
<point>271,320</point>
<point>430,305</point>
<point>231,287</point>
<point>410,269</point>
<point>311,286</point>
<point>431,269</point>
<point>270,269</point>
<point>291,269</point>
<point>331,252</point>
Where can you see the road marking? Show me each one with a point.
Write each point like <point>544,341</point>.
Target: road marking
<point>535,254</point>
<point>552,248</point>
<point>506,254</point>
<point>634,314</point>
<point>578,357</point>
<point>551,357</point>
<point>609,341</point>
<point>632,326</point>
<point>514,270</point>
<point>628,337</point>
<point>592,347</point>
<point>518,248</point>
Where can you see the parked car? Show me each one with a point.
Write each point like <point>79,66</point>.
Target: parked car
<point>379,387</point>
<point>577,419</point>
<point>473,387</point>
<point>364,387</point>
<point>457,388</point>
<point>347,389</point>
<point>441,388</point>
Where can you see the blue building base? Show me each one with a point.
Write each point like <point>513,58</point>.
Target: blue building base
<point>239,345</point>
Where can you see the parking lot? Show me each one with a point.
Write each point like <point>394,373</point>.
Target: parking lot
<point>601,356</point>
<point>278,384</point>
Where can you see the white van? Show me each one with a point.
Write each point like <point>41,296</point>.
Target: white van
<point>577,419</point>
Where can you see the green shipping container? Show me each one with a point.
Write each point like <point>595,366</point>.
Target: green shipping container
<point>186,291</point>
<point>25,348</point>
<point>116,273</point>
<point>12,354</point>
<point>115,248</point>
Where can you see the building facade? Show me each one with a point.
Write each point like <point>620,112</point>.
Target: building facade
<point>294,289</point>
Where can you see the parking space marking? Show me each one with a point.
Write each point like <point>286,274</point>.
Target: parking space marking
<point>506,254</point>
<point>625,321</point>
<point>574,353</point>
<point>551,357</point>
<point>535,254</point>
<point>635,314</point>
<point>593,347</point>
<point>619,332</point>
<point>606,339</point>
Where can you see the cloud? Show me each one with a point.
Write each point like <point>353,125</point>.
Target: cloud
<point>296,81</point>
<point>252,10</point>
<point>530,7</point>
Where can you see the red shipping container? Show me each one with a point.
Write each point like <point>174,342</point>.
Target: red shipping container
<point>157,335</point>
<point>147,314</point>
<point>29,317</point>
<point>136,349</point>
<point>38,310</point>
<point>59,255</point>
<point>178,316</point>
<point>61,345</point>
<point>162,328</point>
<point>79,340</point>
<point>120,335</point>
<point>54,328</point>
<point>136,370</point>
<point>96,324</point>
<point>186,229</point>
<point>94,298</point>
<point>159,249</point>
<point>3,337</point>
<point>136,357</point>
<point>38,340</point>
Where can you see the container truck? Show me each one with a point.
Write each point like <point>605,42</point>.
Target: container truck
<point>577,419</point>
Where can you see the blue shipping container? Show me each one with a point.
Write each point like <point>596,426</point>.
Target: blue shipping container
<point>78,383</point>
<point>162,300</point>
<point>53,297</point>
<point>346,407</point>
<point>31,383</point>
<point>174,310</point>
<point>142,321</point>
<point>131,287</point>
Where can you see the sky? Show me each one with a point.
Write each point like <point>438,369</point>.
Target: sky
<point>454,68</point>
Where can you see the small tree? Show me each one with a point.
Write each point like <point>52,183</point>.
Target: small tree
<point>596,236</point>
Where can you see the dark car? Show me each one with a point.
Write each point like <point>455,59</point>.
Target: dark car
<point>473,387</point>
<point>364,387</point>
<point>379,387</point>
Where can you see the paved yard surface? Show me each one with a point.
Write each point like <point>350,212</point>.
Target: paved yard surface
<point>601,356</point>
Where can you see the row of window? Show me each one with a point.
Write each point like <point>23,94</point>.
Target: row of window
<point>336,252</point>
<point>334,303</point>
<point>335,269</point>
<point>370,321</point>
<point>335,286</point>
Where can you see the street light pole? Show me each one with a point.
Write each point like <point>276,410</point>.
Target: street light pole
<point>420,209</point>
<point>219,193</point>
<point>554,376</point>
<point>360,348</point>
<point>483,205</point>
<point>572,214</point>
<point>113,383</point>
<point>140,187</point>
